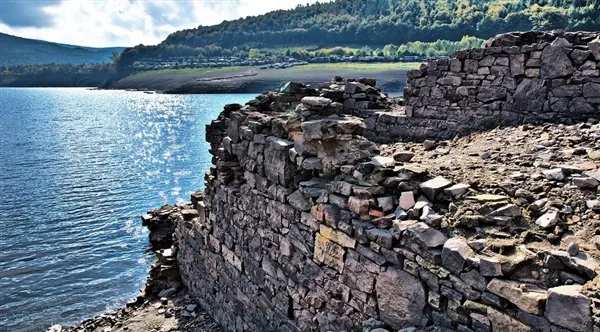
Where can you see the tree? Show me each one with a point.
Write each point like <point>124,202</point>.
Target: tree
<point>115,57</point>
<point>254,53</point>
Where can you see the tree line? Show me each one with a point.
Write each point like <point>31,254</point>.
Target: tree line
<point>372,23</point>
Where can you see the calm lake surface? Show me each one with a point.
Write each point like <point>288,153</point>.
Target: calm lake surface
<point>77,169</point>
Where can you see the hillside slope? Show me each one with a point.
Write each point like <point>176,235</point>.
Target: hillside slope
<point>378,22</point>
<point>22,51</point>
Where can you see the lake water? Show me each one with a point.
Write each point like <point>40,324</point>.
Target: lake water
<point>77,169</point>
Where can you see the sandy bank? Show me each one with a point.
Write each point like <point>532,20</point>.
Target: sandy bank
<point>253,80</point>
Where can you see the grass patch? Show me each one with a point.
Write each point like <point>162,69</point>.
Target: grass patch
<point>358,66</point>
<point>186,71</point>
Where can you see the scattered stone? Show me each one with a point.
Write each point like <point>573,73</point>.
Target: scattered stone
<point>434,186</point>
<point>573,249</point>
<point>167,292</point>
<point>548,220</point>
<point>586,182</point>
<point>555,174</point>
<point>456,191</point>
<point>429,145</point>
<point>404,156</point>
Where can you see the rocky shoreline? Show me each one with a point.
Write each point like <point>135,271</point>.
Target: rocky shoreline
<point>164,303</point>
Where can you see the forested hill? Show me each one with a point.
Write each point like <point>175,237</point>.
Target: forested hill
<point>23,51</point>
<point>380,22</point>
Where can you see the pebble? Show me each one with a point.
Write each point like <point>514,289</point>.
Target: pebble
<point>429,145</point>
<point>573,249</point>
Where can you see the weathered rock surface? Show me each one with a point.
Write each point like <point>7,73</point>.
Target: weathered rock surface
<point>401,299</point>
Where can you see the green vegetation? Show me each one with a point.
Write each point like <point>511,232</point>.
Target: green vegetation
<point>23,51</point>
<point>56,75</point>
<point>374,24</point>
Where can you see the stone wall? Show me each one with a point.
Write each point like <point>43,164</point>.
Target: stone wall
<point>514,78</point>
<point>304,227</point>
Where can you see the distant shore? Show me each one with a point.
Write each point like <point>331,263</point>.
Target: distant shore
<point>391,78</point>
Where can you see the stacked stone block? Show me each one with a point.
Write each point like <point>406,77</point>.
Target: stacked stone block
<point>515,78</point>
<point>304,227</point>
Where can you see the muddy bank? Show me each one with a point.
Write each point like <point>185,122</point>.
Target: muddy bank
<point>253,80</point>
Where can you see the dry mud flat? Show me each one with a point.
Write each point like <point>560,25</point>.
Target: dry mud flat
<point>253,80</point>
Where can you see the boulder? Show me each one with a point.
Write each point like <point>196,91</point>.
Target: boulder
<point>401,299</point>
<point>568,308</point>
<point>530,95</point>
<point>527,297</point>
<point>455,253</point>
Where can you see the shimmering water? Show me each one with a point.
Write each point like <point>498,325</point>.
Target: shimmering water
<point>77,168</point>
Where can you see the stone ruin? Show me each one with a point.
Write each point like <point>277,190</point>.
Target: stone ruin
<point>307,224</point>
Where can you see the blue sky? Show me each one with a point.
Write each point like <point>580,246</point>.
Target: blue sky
<point>104,23</point>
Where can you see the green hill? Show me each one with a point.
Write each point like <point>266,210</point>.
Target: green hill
<point>375,23</point>
<point>22,51</point>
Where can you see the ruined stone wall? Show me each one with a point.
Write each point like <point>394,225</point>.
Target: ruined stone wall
<point>514,78</point>
<point>304,227</point>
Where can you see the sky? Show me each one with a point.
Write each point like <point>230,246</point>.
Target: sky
<point>104,23</point>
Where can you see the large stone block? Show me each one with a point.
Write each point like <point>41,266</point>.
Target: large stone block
<point>329,253</point>
<point>503,322</point>
<point>278,167</point>
<point>455,253</point>
<point>337,237</point>
<point>356,276</point>
<point>568,308</point>
<point>555,63</point>
<point>401,299</point>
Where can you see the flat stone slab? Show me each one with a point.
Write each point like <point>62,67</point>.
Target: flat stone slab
<point>527,297</point>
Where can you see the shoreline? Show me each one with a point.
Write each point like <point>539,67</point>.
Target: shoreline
<point>391,78</point>
<point>164,303</point>
<point>253,79</point>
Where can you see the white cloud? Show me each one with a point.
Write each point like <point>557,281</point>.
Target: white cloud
<point>102,23</point>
